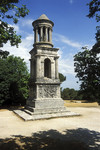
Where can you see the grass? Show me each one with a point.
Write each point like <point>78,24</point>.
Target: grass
<point>76,103</point>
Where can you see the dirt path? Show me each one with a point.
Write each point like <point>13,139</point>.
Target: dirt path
<point>74,130</point>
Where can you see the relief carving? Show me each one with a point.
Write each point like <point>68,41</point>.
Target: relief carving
<point>47,91</point>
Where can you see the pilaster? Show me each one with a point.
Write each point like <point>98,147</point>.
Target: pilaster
<point>56,68</point>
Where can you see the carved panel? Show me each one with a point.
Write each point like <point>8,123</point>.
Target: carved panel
<point>47,91</point>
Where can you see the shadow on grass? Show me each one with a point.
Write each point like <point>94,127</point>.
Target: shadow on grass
<point>79,139</point>
<point>11,108</point>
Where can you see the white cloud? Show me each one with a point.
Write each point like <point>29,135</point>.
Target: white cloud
<point>71,1</point>
<point>26,22</point>
<point>16,27</point>
<point>23,49</point>
<point>67,49</point>
<point>66,64</point>
<point>67,41</point>
<point>66,67</point>
<point>71,43</point>
<point>28,41</point>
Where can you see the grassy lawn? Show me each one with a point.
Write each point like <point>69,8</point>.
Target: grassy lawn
<point>77,103</point>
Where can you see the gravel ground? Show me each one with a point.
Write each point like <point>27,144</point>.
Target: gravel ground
<point>73,133</point>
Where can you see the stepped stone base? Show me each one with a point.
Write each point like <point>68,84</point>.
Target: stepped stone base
<point>44,109</point>
<point>28,115</point>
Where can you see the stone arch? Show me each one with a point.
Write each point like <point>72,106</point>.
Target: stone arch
<point>47,68</point>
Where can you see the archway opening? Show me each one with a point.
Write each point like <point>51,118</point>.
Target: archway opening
<point>47,68</point>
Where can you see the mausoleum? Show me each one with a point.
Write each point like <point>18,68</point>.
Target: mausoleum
<point>44,87</point>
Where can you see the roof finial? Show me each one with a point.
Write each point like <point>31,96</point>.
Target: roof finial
<point>43,16</point>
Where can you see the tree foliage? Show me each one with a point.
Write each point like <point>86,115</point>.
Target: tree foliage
<point>87,67</point>
<point>70,94</point>
<point>13,79</point>
<point>94,9</point>
<point>9,10</point>
<point>87,63</point>
<point>62,77</point>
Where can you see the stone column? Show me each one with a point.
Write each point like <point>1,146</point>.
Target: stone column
<point>36,35</point>
<point>41,34</point>
<point>52,70</point>
<point>50,35</point>
<point>38,66</point>
<point>32,67</point>
<point>56,68</point>
<point>46,34</point>
<point>42,68</point>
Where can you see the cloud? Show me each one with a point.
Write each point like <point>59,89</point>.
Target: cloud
<point>70,43</point>
<point>26,22</point>
<point>23,49</point>
<point>65,40</point>
<point>66,67</point>
<point>71,1</point>
<point>27,41</point>
<point>16,27</point>
<point>66,63</point>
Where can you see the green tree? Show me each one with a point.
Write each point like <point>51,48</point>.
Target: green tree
<point>9,10</point>
<point>87,63</point>
<point>69,94</point>
<point>62,77</point>
<point>14,78</point>
<point>94,9</point>
<point>87,67</point>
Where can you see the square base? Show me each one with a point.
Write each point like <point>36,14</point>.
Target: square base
<point>26,116</point>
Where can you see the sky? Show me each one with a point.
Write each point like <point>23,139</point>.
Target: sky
<point>72,30</point>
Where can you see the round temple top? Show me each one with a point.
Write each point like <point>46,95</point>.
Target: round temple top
<point>43,31</point>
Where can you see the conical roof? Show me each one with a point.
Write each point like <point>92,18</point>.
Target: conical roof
<point>43,17</point>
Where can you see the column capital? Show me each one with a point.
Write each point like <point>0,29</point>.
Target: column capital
<point>37,55</point>
<point>56,57</point>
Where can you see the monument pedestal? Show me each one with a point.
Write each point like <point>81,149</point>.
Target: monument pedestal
<point>48,103</point>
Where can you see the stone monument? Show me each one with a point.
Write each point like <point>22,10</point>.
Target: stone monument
<point>44,93</point>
